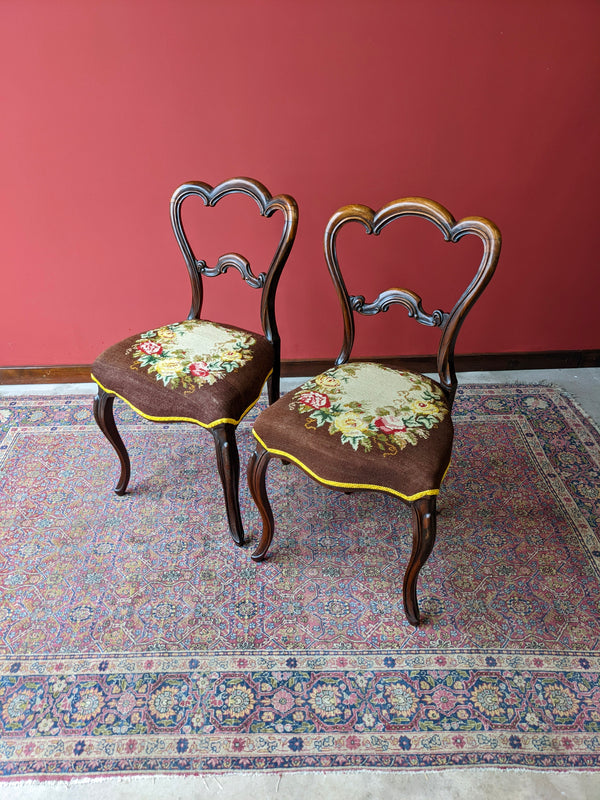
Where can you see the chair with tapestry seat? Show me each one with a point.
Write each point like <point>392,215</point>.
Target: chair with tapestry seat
<point>365,425</point>
<point>196,370</point>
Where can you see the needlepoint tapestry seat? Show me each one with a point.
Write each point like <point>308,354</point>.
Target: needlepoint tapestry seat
<point>191,371</point>
<point>196,370</point>
<point>364,425</point>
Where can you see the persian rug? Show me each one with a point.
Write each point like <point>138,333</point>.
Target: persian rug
<point>135,637</point>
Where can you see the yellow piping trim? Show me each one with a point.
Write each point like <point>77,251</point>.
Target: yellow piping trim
<point>183,419</point>
<point>408,498</point>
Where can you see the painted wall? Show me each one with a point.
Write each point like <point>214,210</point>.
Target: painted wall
<point>107,105</point>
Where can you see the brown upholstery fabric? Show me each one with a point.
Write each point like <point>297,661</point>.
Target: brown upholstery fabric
<point>120,370</point>
<point>411,468</point>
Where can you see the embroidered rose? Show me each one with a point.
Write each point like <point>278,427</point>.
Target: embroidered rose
<point>150,348</point>
<point>199,369</point>
<point>231,355</point>
<point>390,424</point>
<point>423,407</point>
<point>169,366</point>
<point>166,334</point>
<point>350,424</point>
<point>314,399</point>
<point>327,383</point>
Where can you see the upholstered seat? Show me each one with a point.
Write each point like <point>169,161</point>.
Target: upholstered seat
<point>363,425</point>
<point>195,370</point>
<point>191,371</point>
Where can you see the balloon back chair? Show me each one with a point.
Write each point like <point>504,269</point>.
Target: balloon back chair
<point>196,370</point>
<point>363,425</point>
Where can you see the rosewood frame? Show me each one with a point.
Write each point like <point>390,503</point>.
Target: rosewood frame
<point>423,508</point>
<point>224,434</point>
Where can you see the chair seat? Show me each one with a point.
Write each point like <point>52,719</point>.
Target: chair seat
<point>364,426</point>
<point>190,371</point>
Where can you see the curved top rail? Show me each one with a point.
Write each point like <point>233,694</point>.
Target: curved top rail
<point>450,323</point>
<point>267,205</point>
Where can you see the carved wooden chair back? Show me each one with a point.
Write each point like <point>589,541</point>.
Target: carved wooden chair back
<point>450,322</point>
<point>366,426</point>
<point>267,281</point>
<point>198,371</point>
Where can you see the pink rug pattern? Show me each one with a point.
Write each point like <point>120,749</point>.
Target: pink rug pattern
<point>135,637</point>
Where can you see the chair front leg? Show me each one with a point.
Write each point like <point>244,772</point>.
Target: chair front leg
<point>228,463</point>
<point>257,472</point>
<point>103,414</point>
<point>424,529</point>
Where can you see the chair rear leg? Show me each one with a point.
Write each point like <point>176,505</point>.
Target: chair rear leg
<point>424,530</point>
<point>103,414</point>
<point>257,472</point>
<point>273,385</point>
<point>228,463</point>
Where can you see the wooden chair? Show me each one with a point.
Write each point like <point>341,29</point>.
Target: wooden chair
<point>200,371</point>
<point>363,425</point>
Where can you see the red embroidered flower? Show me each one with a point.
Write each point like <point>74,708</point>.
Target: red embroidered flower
<point>390,424</point>
<point>150,348</point>
<point>314,399</point>
<point>199,369</point>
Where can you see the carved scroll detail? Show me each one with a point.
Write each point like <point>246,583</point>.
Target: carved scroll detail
<point>239,263</point>
<point>411,302</point>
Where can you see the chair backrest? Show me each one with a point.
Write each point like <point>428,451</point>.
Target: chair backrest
<point>266,281</point>
<point>448,322</point>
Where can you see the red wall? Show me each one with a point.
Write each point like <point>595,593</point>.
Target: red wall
<point>489,108</point>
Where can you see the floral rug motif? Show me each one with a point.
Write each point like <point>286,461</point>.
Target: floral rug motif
<point>136,638</point>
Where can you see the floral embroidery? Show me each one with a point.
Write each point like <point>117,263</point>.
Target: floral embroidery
<point>368,404</point>
<point>192,353</point>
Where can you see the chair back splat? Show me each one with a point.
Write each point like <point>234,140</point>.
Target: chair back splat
<point>365,426</point>
<point>199,371</point>
<point>449,323</point>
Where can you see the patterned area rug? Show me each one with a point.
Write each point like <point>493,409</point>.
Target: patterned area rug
<point>135,637</point>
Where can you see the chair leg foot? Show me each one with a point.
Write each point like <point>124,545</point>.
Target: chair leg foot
<point>228,464</point>
<point>257,471</point>
<point>103,414</point>
<point>424,530</point>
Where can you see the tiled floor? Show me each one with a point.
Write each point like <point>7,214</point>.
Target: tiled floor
<point>584,387</point>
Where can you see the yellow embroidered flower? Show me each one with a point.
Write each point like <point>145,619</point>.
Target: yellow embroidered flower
<point>169,366</point>
<point>166,334</point>
<point>424,407</point>
<point>232,355</point>
<point>327,383</point>
<point>350,424</point>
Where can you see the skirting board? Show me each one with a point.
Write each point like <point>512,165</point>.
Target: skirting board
<point>483,362</point>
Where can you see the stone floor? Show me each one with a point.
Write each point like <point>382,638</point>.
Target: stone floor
<point>584,386</point>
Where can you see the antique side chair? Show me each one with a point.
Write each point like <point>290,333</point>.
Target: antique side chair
<point>196,370</point>
<point>364,425</point>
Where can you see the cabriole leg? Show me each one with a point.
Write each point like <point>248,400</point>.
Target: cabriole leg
<point>103,414</point>
<point>424,529</point>
<point>257,472</point>
<point>228,463</point>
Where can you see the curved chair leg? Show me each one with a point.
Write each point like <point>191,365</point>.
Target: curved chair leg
<point>257,472</point>
<point>424,529</point>
<point>103,414</point>
<point>228,463</point>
